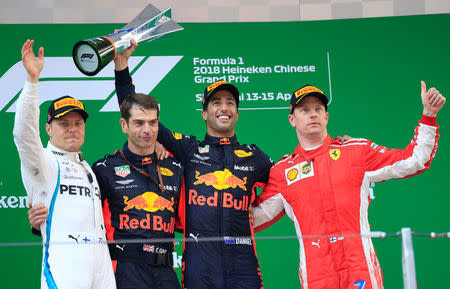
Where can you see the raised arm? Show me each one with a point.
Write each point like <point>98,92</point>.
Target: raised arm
<point>124,84</point>
<point>26,123</point>
<point>383,163</point>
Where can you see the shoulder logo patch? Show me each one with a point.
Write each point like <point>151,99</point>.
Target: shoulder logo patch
<point>166,172</point>
<point>177,135</point>
<point>242,154</point>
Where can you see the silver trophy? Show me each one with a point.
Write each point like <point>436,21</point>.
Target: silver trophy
<point>92,55</point>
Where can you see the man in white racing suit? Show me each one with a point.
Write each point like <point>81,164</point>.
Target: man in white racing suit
<point>75,254</point>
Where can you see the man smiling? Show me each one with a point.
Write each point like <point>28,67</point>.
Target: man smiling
<point>220,177</point>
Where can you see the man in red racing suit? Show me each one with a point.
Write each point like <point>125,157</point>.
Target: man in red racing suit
<point>324,187</point>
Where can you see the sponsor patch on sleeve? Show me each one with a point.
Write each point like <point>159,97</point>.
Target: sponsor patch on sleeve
<point>242,154</point>
<point>166,172</point>
<point>177,135</point>
<point>378,148</point>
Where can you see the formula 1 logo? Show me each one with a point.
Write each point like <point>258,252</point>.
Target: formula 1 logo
<point>87,55</point>
<point>60,77</point>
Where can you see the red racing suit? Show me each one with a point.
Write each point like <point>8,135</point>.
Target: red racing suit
<point>326,192</point>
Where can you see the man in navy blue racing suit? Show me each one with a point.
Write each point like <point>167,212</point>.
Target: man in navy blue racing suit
<point>220,178</point>
<point>140,200</point>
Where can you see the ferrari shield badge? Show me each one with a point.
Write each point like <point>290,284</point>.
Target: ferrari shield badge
<point>335,154</point>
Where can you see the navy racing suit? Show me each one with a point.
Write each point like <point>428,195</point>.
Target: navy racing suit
<point>220,178</point>
<point>135,208</point>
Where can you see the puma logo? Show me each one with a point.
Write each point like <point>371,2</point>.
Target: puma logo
<point>72,237</point>
<point>316,244</point>
<point>195,237</point>
<point>121,248</point>
<point>102,163</point>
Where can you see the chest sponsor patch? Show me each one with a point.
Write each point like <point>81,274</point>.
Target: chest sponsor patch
<point>244,168</point>
<point>200,157</point>
<point>122,171</point>
<point>299,171</point>
<point>335,154</point>
<point>125,182</point>
<point>204,150</point>
<point>242,154</point>
<point>166,172</point>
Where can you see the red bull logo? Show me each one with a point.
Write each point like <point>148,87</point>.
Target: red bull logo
<point>228,201</point>
<point>146,160</point>
<point>220,180</point>
<point>148,201</point>
<point>224,140</point>
<point>155,223</point>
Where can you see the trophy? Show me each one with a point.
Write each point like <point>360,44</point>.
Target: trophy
<point>92,55</point>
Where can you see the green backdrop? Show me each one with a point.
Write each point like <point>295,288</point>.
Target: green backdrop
<point>371,67</point>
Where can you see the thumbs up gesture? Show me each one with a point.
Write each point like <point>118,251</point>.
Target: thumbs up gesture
<point>432,100</point>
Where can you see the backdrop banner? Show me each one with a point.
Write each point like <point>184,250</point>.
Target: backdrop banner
<point>370,69</point>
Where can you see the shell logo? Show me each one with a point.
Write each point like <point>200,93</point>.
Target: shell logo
<point>242,154</point>
<point>166,172</point>
<point>292,174</point>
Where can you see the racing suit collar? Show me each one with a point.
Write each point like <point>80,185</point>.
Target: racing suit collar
<point>73,156</point>
<point>308,155</point>
<point>138,160</point>
<point>213,140</point>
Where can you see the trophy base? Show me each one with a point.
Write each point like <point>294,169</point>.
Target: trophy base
<point>91,55</point>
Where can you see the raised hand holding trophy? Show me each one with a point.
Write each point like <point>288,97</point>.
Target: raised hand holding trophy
<point>92,55</point>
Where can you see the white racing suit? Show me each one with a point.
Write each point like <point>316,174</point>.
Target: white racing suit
<point>75,254</point>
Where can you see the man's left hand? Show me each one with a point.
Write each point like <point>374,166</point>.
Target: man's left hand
<point>432,100</point>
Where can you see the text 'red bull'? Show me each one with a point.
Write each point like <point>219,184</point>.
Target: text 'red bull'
<point>228,201</point>
<point>156,223</point>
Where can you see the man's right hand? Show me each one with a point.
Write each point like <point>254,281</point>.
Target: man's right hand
<point>33,65</point>
<point>121,60</point>
<point>37,215</point>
